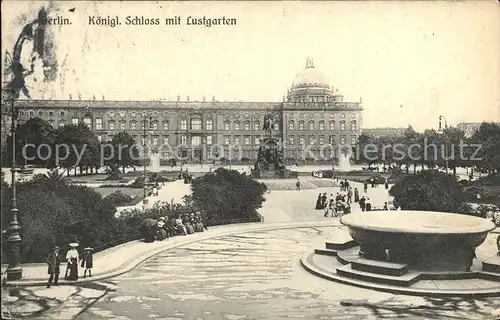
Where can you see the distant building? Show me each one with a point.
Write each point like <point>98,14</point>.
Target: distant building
<point>312,113</point>
<point>470,127</point>
<point>381,132</point>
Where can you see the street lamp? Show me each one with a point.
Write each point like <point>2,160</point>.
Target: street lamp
<point>14,271</point>
<point>445,146</point>
<point>145,200</point>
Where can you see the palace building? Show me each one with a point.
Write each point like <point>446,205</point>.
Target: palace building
<point>311,117</point>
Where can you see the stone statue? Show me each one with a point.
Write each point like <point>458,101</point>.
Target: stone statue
<point>268,124</point>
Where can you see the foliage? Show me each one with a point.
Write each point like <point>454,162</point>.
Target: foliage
<point>121,153</point>
<point>430,190</point>
<point>118,198</point>
<point>227,194</point>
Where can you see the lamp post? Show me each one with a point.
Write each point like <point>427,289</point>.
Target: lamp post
<point>445,145</point>
<point>145,200</point>
<point>14,271</point>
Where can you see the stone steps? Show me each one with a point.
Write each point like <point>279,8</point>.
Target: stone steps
<point>491,264</point>
<point>340,244</point>
<point>326,252</point>
<point>405,280</point>
<point>379,267</point>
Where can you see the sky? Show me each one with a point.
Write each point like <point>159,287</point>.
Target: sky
<point>409,61</point>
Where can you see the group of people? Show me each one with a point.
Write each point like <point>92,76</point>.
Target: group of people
<point>335,206</point>
<point>182,225</point>
<point>73,259</point>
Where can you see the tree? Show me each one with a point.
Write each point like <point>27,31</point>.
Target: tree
<point>368,152</point>
<point>488,138</point>
<point>430,190</point>
<point>227,194</point>
<point>123,153</point>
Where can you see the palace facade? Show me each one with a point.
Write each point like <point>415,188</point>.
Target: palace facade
<point>312,117</point>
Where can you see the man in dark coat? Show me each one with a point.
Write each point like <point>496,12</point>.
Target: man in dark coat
<point>54,267</point>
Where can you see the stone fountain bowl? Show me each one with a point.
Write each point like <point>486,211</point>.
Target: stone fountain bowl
<point>433,241</point>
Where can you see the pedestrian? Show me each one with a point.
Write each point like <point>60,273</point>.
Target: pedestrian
<point>362,203</point>
<point>341,185</point>
<point>368,205</point>
<point>323,200</point>
<point>87,261</point>
<point>297,185</point>
<point>349,195</point>
<point>318,203</point>
<point>385,206</point>
<point>386,184</point>
<point>356,195</point>
<point>72,259</point>
<point>365,187</point>
<point>54,267</point>
<point>373,182</point>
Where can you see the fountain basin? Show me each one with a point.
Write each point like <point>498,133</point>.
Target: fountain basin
<point>426,241</point>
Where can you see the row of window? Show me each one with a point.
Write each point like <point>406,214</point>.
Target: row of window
<point>321,140</point>
<point>41,113</point>
<point>321,125</point>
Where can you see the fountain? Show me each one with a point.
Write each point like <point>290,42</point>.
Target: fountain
<point>344,163</point>
<point>155,164</point>
<point>270,162</point>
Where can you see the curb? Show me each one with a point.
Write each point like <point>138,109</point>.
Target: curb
<point>133,263</point>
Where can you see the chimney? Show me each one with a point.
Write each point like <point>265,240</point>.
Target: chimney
<point>178,97</point>
<point>70,97</point>
<point>93,97</point>
<point>213,98</point>
<point>187,98</point>
<point>103,97</point>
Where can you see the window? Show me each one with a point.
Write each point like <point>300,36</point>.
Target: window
<point>74,121</point>
<point>301,141</point>
<point>311,125</point>
<point>132,114</point>
<point>155,114</point>
<point>257,141</point>
<point>291,125</point>
<point>21,113</point>
<point>256,125</point>
<point>353,125</point>
<point>122,125</point>
<point>155,141</point>
<point>32,113</point>
<point>209,124</point>
<point>87,121</point>
<point>40,113</point>
<point>133,125</point>
<point>342,125</point>
<point>183,140</point>
<point>209,140</point>
<point>331,139</point>
<point>62,123</point>
<point>122,114</point>
<point>111,114</point>
<point>111,125</point>
<point>195,124</point>
<point>195,140</point>
<point>247,140</point>
<point>342,115</point>
<point>353,115</point>
<point>247,125</point>
<point>291,140</point>
<point>321,140</point>
<point>165,125</point>
<point>236,139</point>
<point>184,124</point>
<point>332,125</point>
<point>226,125</point>
<point>301,125</point>
<point>236,125</point>
<point>62,113</point>
<point>342,140</point>
<point>321,125</point>
<point>227,140</point>
<point>209,154</point>
<point>165,140</point>
<point>354,140</point>
<point>311,139</point>
<point>51,113</point>
<point>276,126</point>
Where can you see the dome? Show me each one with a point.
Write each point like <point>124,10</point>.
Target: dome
<point>310,77</point>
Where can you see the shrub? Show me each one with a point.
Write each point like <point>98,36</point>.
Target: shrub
<point>118,198</point>
<point>227,194</point>
<point>430,190</point>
